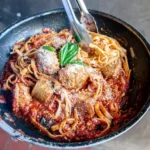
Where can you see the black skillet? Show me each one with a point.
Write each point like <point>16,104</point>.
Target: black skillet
<point>139,94</point>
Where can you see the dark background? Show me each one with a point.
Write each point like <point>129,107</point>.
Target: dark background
<point>135,12</point>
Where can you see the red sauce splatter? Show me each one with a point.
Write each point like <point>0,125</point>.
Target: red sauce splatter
<point>2,99</point>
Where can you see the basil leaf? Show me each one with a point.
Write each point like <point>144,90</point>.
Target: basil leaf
<point>60,57</point>
<point>70,57</point>
<point>67,53</point>
<point>77,38</point>
<point>77,62</point>
<point>72,46</point>
<point>62,53</point>
<point>49,48</point>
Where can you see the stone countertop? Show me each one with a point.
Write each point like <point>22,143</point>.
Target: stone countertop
<point>134,12</point>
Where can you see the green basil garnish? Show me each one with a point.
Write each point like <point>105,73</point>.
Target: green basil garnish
<point>77,38</point>
<point>49,48</point>
<point>77,62</point>
<point>67,53</point>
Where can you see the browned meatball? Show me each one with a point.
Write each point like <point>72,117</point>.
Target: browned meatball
<point>112,70</point>
<point>85,109</point>
<point>96,77</point>
<point>47,62</point>
<point>73,76</point>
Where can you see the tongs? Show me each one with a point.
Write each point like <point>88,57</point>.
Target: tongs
<point>88,23</point>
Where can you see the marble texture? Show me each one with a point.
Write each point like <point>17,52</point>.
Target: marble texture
<point>135,12</point>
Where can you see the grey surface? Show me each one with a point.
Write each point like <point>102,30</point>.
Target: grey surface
<point>135,12</point>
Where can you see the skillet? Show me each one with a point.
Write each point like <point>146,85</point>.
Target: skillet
<point>139,92</point>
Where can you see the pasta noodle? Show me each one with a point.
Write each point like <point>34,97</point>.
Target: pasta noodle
<point>75,102</point>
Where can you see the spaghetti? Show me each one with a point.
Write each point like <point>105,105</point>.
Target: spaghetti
<point>70,103</point>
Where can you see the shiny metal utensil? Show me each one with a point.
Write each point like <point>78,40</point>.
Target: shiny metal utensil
<point>79,31</point>
<point>86,18</point>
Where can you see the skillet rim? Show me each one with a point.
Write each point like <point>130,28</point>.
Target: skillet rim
<point>50,144</point>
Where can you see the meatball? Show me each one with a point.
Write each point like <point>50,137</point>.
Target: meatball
<point>47,62</point>
<point>58,42</point>
<point>73,76</point>
<point>64,36</point>
<point>112,70</point>
<point>85,109</point>
<point>95,77</point>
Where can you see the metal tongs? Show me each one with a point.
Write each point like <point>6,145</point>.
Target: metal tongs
<point>88,22</point>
